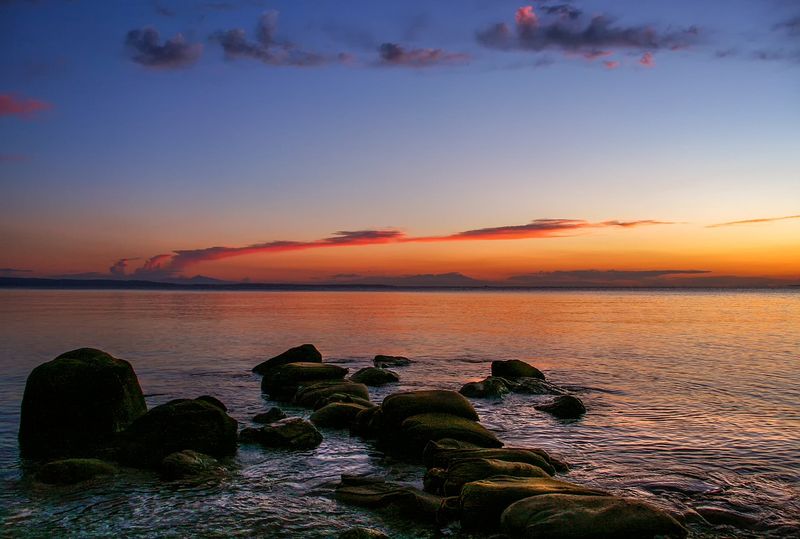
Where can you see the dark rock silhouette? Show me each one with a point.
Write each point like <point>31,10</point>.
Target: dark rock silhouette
<point>418,430</point>
<point>189,464</point>
<point>491,387</point>
<point>382,361</point>
<point>535,386</point>
<point>343,397</point>
<point>75,404</point>
<point>270,416</point>
<point>564,407</point>
<point>281,383</point>
<point>514,368</point>
<point>373,376</point>
<point>289,433</point>
<point>305,353</point>
<point>70,471</point>
<point>313,394</point>
<point>444,453</point>
<point>213,400</point>
<point>336,415</point>
<point>449,482</point>
<point>398,407</point>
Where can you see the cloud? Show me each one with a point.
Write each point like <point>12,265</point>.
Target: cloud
<point>564,28</point>
<point>168,265</point>
<point>755,221</point>
<point>790,27</point>
<point>24,107</point>
<point>392,54</point>
<point>120,267</point>
<point>266,47</point>
<point>145,48</point>
<point>611,64</point>
<point>14,272</point>
<point>647,60</point>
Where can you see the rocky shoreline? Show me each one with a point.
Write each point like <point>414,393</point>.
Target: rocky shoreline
<point>84,416</point>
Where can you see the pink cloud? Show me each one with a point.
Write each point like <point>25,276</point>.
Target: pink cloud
<point>12,105</point>
<point>647,60</point>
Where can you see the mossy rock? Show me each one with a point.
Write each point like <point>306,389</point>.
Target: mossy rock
<point>309,395</point>
<point>565,516</point>
<point>440,455</point>
<point>177,425</point>
<point>488,388</point>
<point>343,397</point>
<point>282,382</point>
<point>373,376</point>
<point>482,502</point>
<point>76,403</point>
<point>514,368</point>
<point>467,470</point>
<point>398,407</point>
<point>189,464</point>
<point>71,471</point>
<point>290,433</point>
<point>336,415</point>
<point>418,430</point>
<point>305,353</point>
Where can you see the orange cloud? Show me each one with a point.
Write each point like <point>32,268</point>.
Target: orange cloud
<point>754,221</point>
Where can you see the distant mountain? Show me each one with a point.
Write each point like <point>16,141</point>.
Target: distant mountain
<point>453,279</point>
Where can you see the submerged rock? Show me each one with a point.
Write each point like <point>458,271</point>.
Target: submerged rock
<point>535,386</point>
<point>305,353</point>
<point>75,404</point>
<point>491,387</point>
<point>373,376</point>
<point>449,482</point>
<point>177,425</point>
<point>282,382</point>
<point>70,471</point>
<point>564,407</point>
<point>514,368</point>
<point>442,455</point>
<point>566,516</point>
<point>311,395</point>
<point>289,433</point>
<point>363,533</point>
<point>270,416</point>
<point>382,361</point>
<point>187,463</point>
<point>482,502</point>
<point>336,415</point>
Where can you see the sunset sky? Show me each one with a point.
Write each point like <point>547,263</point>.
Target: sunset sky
<point>650,142</point>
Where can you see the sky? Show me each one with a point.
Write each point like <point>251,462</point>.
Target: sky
<point>626,142</point>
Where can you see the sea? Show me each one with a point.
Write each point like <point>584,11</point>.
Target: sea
<point>692,397</point>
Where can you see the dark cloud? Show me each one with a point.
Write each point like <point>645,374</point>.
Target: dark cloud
<point>392,54</point>
<point>145,48</point>
<point>790,26</point>
<point>266,47</point>
<point>565,11</point>
<point>24,107</point>
<point>755,221</point>
<point>120,267</point>
<point>163,10</point>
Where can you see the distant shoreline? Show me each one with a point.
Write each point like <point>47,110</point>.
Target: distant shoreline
<point>113,284</point>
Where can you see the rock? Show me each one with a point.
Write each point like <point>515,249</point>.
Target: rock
<point>514,368</point>
<point>305,353</point>
<point>397,407</point>
<point>289,433</point>
<point>343,397</point>
<point>463,471</point>
<point>535,386</point>
<point>564,407</point>
<point>719,516</point>
<point>482,502</point>
<point>366,424</point>
<point>382,361</point>
<point>439,455</point>
<point>76,403</point>
<point>312,394</point>
<point>187,463</point>
<point>566,516</point>
<point>336,415</point>
<point>491,387</point>
<point>372,376</point>
<point>282,382</point>
<point>213,400</point>
<point>70,471</point>
<point>363,533</point>
<point>270,416</point>
<point>417,431</point>
<point>177,425</point>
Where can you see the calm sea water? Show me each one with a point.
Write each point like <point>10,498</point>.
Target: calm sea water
<point>693,397</point>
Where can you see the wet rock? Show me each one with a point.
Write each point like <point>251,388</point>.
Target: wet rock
<point>442,455</point>
<point>398,407</point>
<point>363,533</point>
<point>189,464</point>
<point>417,431</point>
<point>343,397</point>
<point>373,376</point>
<point>336,415</point>
<point>71,471</point>
<point>514,368</point>
<point>564,407</point>
<point>289,433</point>
<point>491,387</point>
<point>720,516</point>
<point>177,425</point>
<point>460,472</point>
<point>270,416</point>
<point>535,386</point>
<point>213,400</point>
<point>75,404</point>
<point>482,502</point>
<point>311,394</point>
<point>382,361</point>
<point>565,516</point>
<point>305,353</point>
<point>282,382</point>
<point>366,424</point>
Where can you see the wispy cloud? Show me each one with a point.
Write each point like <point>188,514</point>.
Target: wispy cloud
<point>392,54</point>
<point>755,221</point>
<point>145,48</point>
<point>164,265</point>
<point>24,107</point>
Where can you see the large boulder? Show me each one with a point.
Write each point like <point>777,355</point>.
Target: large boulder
<point>189,464</point>
<point>289,433</point>
<point>460,472</point>
<point>282,382</point>
<point>270,416</point>
<point>398,407</point>
<point>416,431</point>
<point>336,415</point>
<point>514,368</point>
<point>373,376</point>
<point>382,361</point>
<point>442,454</point>
<point>75,404</point>
<point>491,387</point>
<point>482,502</point>
<point>343,397</point>
<point>564,407</point>
<point>70,471</point>
<point>177,425</point>
<point>566,516</point>
<point>305,353</point>
<point>311,395</point>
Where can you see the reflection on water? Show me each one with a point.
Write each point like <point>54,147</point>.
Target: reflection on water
<point>692,397</point>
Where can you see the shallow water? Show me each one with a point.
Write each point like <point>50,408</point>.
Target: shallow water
<point>692,398</point>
